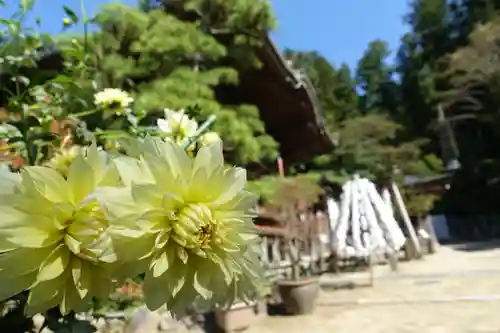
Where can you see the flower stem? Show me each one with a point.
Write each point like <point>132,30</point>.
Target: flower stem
<point>200,130</point>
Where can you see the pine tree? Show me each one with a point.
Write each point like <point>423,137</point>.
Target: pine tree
<point>372,76</point>
<point>172,57</point>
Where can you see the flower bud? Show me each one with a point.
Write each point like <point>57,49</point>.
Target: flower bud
<point>67,22</point>
<point>209,138</point>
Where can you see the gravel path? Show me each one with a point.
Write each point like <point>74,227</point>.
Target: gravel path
<point>453,291</point>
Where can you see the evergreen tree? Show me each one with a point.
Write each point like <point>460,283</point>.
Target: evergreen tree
<point>172,57</point>
<point>335,88</point>
<point>372,75</point>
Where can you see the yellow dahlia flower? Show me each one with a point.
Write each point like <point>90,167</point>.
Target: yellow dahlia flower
<point>113,99</point>
<point>53,235</point>
<point>63,159</point>
<point>196,221</point>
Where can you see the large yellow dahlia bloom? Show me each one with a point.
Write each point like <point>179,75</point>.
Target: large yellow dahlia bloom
<point>53,238</point>
<point>194,224</point>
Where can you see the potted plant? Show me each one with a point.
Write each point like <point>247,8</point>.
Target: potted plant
<point>298,294</point>
<point>242,314</point>
<point>287,197</point>
<point>236,318</point>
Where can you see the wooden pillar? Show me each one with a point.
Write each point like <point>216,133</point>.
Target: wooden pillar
<point>429,227</point>
<point>414,242</point>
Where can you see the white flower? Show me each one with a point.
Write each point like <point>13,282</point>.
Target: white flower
<point>113,98</point>
<point>177,124</point>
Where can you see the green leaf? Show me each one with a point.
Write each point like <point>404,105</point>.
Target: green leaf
<point>62,79</point>
<point>71,14</point>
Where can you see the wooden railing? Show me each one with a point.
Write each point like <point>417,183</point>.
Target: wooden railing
<point>278,249</point>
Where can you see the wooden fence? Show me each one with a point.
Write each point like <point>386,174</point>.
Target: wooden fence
<point>311,252</point>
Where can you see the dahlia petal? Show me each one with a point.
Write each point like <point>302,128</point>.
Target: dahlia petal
<point>156,291</point>
<point>15,285</point>
<point>243,202</point>
<point>233,182</point>
<point>102,249</point>
<point>201,284</point>
<point>31,236</point>
<point>45,291</point>
<point>10,181</point>
<point>82,276</point>
<point>162,239</point>
<point>81,178</point>
<point>116,202</point>
<point>154,146</point>
<point>162,173</point>
<point>209,158</point>
<point>72,243</point>
<point>13,217</point>
<point>72,301</point>
<point>198,191</point>
<point>110,176</point>
<point>32,309</point>
<point>55,264</point>
<point>6,246</point>
<point>182,300</point>
<point>62,212</point>
<point>147,194</point>
<point>180,162</point>
<point>95,159</point>
<point>182,254</point>
<point>217,261</point>
<point>160,264</point>
<point>47,182</point>
<point>132,245</point>
<point>22,261</point>
<point>131,170</point>
<point>102,284</point>
<point>122,270</point>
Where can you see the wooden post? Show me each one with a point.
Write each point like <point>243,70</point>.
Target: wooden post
<point>406,219</point>
<point>371,260</point>
<point>393,261</point>
<point>429,227</point>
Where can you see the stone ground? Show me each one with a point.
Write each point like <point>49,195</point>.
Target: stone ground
<point>456,290</point>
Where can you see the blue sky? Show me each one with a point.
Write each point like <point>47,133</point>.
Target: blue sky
<point>338,29</point>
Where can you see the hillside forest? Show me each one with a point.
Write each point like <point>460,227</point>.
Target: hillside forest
<point>423,108</point>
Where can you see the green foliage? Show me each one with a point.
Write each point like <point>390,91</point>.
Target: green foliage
<point>169,62</point>
<point>282,192</point>
<point>448,59</point>
<point>419,204</point>
<point>373,76</point>
<point>381,129</point>
<point>335,88</point>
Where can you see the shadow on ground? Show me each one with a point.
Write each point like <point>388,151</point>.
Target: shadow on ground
<point>475,246</point>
